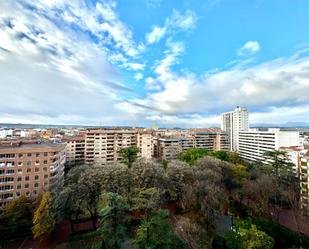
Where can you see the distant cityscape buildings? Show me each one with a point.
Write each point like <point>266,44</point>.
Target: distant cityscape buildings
<point>34,160</point>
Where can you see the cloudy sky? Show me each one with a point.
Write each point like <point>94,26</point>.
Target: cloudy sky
<point>138,62</point>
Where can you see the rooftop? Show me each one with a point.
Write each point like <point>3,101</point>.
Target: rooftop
<point>27,143</point>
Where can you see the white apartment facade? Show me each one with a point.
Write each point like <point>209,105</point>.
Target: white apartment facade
<point>233,122</point>
<point>253,143</point>
<point>145,142</point>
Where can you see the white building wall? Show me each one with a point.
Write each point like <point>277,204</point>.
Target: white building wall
<point>234,122</point>
<point>254,142</point>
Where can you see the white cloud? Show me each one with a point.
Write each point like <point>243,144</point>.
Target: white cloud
<point>50,74</point>
<point>190,121</point>
<point>280,85</point>
<point>134,66</point>
<point>249,48</point>
<point>152,84</point>
<point>156,34</point>
<point>176,23</point>
<point>138,76</point>
<point>281,115</point>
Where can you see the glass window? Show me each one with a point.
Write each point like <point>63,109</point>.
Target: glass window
<point>27,178</point>
<point>27,185</point>
<point>36,177</point>
<point>45,153</point>
<point>28,163</point>
<point>29,154</point>
<point>28,170</point>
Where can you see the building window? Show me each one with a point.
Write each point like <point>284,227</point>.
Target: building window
<point>28,163</point>
<point>36,169</point>
<point>18,186</point>
<point>10,171</point>
<point>20,171</point>
<point>36,185</point>
<point>27,185</point>
<point>20,163</point>
<point>36,177</point>
<point>37,162</point>
<point>29,154</point>
<point>17,194</point>
<point>27,178</point>
<point>37,154</point>
<point>20,155</point>
<point>45,176</point>
<point>19,178</point>
<point>45,153</point>
<point>28,170</point>
<point>45,161</point>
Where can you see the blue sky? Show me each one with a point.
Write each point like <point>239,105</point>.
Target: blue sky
<point>139,62</point>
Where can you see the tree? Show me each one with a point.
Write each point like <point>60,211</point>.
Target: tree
<point>233,157</point>
<point>220,154</point>
<point>192,155</point>
<point>44,219</point>
<point>129,155</point>
<point>90,191</point>
<point>247,236</point>
<point>157,233</point>
<point>280,166</point>
<point>204,195</point>
<point>81,194</point>
<point>282,169</point>
<point>113,218</point>
<point>17,215</point>
<point>258,190</point>
<point>194,235</point>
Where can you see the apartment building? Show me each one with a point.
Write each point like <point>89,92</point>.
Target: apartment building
<point>145,141</point>
<point>233,122</point>
<point>29,167</point>
<point>74,150</point>
<point>169,147</point>
<point>210,139</point>
<point>253,143</point>
<point>102,146</point>
<point>304,181</point>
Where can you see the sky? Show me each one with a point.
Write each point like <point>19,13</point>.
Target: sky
<point>173,63</point>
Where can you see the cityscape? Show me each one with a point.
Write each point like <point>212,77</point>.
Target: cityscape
<point>154,124</point>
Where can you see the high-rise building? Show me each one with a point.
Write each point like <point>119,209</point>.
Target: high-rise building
<point>253,143</point>
<point>233,122</point>
<point>29,167</point>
